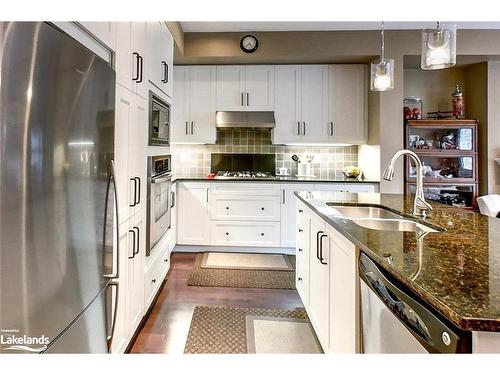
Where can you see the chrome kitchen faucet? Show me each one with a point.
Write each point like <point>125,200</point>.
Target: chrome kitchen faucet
<point>420,206</point>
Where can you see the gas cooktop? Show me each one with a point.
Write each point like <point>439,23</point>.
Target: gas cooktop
<point>244,175</point>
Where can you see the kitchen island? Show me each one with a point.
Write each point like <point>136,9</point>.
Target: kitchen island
<point>454,268</point>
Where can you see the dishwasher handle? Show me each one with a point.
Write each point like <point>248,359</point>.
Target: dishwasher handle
<point>433,331</point>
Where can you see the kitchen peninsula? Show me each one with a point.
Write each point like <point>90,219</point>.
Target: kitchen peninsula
<point>449,262</point>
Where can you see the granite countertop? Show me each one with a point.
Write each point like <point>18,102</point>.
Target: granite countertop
<point>342,180</point>
<point>456,271</point>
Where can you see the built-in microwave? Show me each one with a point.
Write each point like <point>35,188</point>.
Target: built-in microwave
<point>159,121</point>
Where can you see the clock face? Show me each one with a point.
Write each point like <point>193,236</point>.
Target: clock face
<point>249,44</point>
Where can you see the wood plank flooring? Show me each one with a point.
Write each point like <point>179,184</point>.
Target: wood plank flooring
<point>166,329</point>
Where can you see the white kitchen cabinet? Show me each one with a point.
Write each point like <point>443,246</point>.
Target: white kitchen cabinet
<point>105,32</point>
<point>289,212</point>
<point>287,104</point>
<point>135,271</point>
<point>314,103</point>
<point>361,188</point>
<point>156,271</point>
<point>193,226</point>
<point>193,113</point>
<point>245,88</point>
<point>319,281</point>
<point>245,233</point>
<point>347,104</point>
<point>302,253</point>
<point>125,69</point>
<point>130,145</point>
<point>259,88</point>
<point>121,333</point>
<point>230,88</point>
<point>230,206</point>
<point>343,294</point>
<point>335,187</point>
<point>139,49</point>
<point>160,56</point>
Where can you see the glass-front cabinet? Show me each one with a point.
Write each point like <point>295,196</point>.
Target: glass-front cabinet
<point>448,150</point>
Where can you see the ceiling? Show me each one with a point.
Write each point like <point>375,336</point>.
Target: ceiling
<point>204,26</point>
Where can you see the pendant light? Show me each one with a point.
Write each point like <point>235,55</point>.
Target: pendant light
<point>382,71</point>
<point>439,47</point>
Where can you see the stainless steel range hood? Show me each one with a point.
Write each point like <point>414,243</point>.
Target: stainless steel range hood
<point>240,119</point>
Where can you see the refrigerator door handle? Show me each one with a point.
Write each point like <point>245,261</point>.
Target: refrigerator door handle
<point>111,180</point>
<point>110,335</point>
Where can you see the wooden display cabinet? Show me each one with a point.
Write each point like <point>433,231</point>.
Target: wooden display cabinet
<point>448,149</point>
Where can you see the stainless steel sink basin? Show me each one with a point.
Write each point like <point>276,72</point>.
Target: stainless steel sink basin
<point>379,218</point>
<point>399,225</point>
<point>365,212</point>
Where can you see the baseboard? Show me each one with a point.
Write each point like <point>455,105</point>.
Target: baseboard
<point>234,249</point>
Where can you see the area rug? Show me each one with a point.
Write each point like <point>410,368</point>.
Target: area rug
<point>244,261</point>
<point>230,330</point>
<point>242,278</point>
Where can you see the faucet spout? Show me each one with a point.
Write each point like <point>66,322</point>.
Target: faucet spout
<point>420,206</point>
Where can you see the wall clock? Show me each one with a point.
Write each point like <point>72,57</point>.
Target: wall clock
<point>249,44</point>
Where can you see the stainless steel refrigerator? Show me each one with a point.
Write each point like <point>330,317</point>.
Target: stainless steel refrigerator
<point>58,268</point>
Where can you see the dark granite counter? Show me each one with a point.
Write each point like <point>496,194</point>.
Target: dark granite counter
<point>456,271</point>
<point>291,179</point>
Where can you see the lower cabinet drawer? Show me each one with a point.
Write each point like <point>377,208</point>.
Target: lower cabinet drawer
<point>243,233</point>
<point>245,208</point>
<point>154,277</point>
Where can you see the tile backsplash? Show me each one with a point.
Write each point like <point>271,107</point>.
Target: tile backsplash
<point>327,163</point>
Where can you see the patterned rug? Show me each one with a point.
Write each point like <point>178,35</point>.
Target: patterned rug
<point>239,278</point>
<point>223,330</point>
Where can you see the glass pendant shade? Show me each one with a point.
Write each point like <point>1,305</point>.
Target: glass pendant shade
<point>439,47</point>
<point>382,75</point>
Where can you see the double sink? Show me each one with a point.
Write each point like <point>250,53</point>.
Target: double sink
<point>379,218</point>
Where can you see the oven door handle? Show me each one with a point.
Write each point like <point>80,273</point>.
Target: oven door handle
<point>159,180</point>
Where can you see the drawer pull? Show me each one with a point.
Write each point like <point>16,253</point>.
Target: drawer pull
<point>300,211</point>
<point>262,234</point>
<point>300,250</point>
<point>227,233</point>
<point>300,279</point>
<point>262,208</point>
<point>165,260</point>
<point>153,281</point>
<point>300,230</point>
<point>227,208</point>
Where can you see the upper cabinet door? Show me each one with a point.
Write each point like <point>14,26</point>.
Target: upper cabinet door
<point>259,88</point>
<point>180,130</point>
<point>347,110</point>
<point>104,31</point>
<point>202,104</point>
<point>230,88</point>
<point>123,55</point>
<point>314,103</point>
<point>160,57</point>
<point>287,89</point>
<point>139,56</point>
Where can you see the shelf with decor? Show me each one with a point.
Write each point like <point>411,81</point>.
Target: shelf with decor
<point>448,149</point>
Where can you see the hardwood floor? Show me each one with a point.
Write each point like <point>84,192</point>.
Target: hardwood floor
<point>166,329</point>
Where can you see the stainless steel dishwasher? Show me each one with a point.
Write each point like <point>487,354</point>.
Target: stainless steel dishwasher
<point>395,321</point>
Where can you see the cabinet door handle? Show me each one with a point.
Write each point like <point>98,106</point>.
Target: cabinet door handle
<point>304,129</point>
<point>300,230</point>
<point>242,104</point>
<point>134,242</point>
<point>321,248</point>
<point>299,279</point>
<point>166,73</point>
<point>332,129</point>
<point>138,241</point>
<point>300,211</point>
<point>192,127</point>
<point>135,192</point>
<point>317,243</point>
<point>164,64</point>
<point>300,250</point>
<point>153,281</point>
<point>283,194</point>
<point>138,190</point>
<point>165,260</point>
<point>172,199</point>
<point>142,69</point>
<point>187,126</point>
<point>248,99</point>
<point>137,67</point>
<point>298,127</point>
